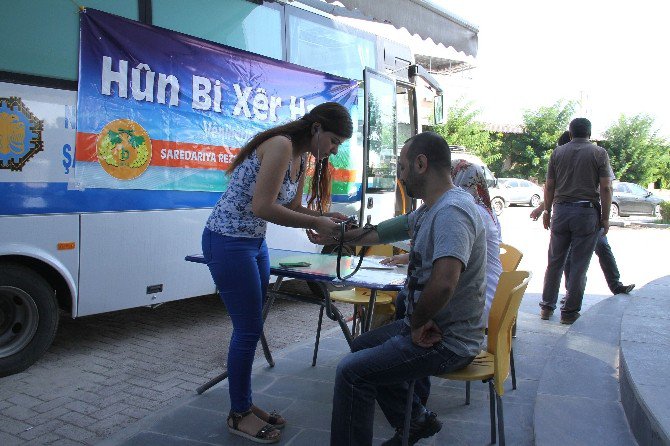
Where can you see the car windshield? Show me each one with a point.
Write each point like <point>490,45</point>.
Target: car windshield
<point>637,189</point>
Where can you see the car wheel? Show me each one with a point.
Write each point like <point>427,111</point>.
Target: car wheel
<point>497,204</point>
<point>535,200</point>
<point>657,210</point>
<point>614,211</point>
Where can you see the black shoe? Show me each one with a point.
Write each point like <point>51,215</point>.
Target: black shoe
<point>569,318</point>
<point>624,289</point>
<point>546,313</point>
<point>417,430</point>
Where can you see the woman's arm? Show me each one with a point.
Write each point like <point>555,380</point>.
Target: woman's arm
<point>275,155</point>
<point>296,204</point>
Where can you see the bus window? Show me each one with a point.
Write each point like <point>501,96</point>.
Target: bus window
<point>318,44</point>
<point>233,22</point>
<point>382,163</point>
<point>42,38</point>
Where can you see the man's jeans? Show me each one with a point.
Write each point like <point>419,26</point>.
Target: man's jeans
<point>606,260</point>
<point>575,229</point>
<point>380,365</point>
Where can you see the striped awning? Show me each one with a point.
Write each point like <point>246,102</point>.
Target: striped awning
<point>422,17</point>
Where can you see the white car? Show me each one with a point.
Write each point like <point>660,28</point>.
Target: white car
<point>518,191</point>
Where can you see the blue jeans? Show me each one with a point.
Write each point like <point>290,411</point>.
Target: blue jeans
<point>240,268</point>
<point>573,229</point>
<point>607,263</point>
<point>379,368</point>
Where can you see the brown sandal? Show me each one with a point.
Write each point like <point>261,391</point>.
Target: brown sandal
<point>274,418</point>
<point>262,436</point>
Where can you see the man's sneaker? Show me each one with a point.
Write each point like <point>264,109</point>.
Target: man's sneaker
<point>569,318</point>
<point>546,313</point>
<point>417,430</point>
<point>624,289</point>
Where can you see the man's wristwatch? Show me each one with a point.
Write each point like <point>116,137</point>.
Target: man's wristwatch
<point>547,211</point>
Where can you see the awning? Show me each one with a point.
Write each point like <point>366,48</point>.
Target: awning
<point>421,17</point>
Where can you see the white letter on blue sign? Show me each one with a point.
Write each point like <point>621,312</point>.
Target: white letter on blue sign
<point>297,111</point>
<point>163,82</point>
<point>261,105</point>
<point>242,99</point>
<point>201,88</point>
<point>109,76</point>
<point>136,83</point>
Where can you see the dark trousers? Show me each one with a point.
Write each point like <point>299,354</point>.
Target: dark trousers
<point>607,263</point>
<point>574,229</point>
<point>378,369</point>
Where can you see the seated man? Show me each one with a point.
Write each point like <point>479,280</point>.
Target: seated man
<point>446,283</point>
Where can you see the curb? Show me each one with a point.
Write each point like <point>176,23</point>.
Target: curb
<point>632,224</point>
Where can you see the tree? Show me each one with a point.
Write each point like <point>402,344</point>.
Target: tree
<point>462,129</point>
<point>527,154</point>
<point>637,153</point>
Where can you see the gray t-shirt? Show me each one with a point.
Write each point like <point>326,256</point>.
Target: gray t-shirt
<point>576,168</point>
<point>452,227</point>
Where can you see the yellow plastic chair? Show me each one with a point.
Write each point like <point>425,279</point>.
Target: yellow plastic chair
<point>510,257</point>
<point>493,365</point>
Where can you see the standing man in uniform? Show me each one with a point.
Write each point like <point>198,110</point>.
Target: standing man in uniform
<point>579,186</point>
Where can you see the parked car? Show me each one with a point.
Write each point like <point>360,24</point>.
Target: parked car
<point>518,191</point>
<point>633,199</point>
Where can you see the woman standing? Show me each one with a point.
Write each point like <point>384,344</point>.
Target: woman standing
<point>266,183</point>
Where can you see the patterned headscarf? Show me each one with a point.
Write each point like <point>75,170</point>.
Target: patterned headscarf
<point>470,177</point>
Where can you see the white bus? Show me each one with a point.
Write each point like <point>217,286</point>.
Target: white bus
<point>89,250</point>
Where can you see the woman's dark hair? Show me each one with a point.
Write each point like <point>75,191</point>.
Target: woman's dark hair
<point>334,118</point>
<point>564,138</point>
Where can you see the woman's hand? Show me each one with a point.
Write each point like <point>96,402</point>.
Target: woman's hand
<point>337,216</point>
<point>326,226</point>
<point>398,259</point>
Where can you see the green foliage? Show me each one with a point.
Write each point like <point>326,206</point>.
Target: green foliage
<point>527,154</point>
<point>462,129</point>
<point>665,212</point>
<point>637,153</point>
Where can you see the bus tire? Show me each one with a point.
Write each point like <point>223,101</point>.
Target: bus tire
<point>28,317</point>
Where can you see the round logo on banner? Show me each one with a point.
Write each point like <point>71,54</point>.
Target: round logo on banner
<point>124,149</point>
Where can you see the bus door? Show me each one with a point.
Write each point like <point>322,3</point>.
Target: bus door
<point>406,111</point>
<point>380,148</point>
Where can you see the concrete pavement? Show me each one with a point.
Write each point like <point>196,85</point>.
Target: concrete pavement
<point>568,386</point>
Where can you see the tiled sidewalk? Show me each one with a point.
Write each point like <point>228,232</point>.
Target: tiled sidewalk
<point>303,395</point>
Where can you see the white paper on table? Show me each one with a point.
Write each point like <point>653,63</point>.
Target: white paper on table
<point>375,264</point>
<point>376,277</point>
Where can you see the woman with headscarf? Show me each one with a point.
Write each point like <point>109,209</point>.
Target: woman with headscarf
<point>470,177</point>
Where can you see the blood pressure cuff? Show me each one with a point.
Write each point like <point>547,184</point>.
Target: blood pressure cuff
<point>394,229</point>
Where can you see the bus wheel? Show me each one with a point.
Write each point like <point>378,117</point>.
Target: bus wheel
<point>28,317</point>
